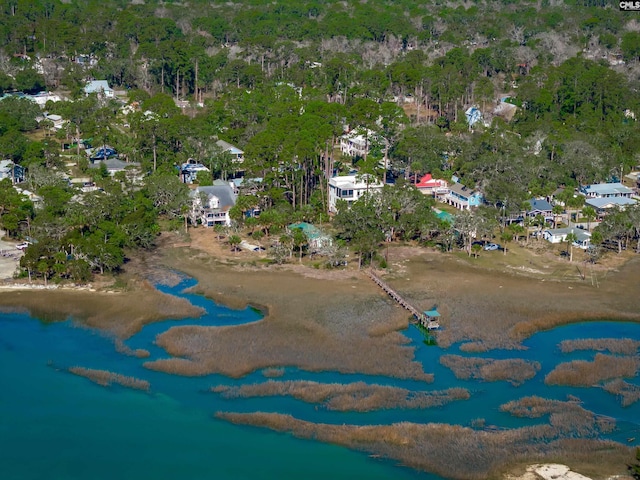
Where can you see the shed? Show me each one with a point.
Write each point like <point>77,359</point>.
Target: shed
<point>430,319</point>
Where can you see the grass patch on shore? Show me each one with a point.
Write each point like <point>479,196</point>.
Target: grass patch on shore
<point>621,346</point>
<point>583,373</point>
<point>515,371</point>
<point>106,378</point>
<point>627,393</point>
<point>353,397</point>
<point>457,452</point>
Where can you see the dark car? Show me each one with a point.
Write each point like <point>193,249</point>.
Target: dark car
<point>103,153</point>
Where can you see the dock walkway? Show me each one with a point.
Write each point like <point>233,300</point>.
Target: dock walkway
<point>419,316</point>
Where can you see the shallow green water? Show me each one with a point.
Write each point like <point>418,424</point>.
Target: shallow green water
<point>57,425</point>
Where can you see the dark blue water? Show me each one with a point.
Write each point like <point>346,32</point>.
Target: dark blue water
<point>57,425</point>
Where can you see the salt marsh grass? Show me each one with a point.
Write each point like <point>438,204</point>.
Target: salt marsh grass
<point>515,371</point>
<point>621,346</point>
<point>565,417</point>
<point>627,393</point>
<point>124,349</point>
<point>121,313</point>
<point>357,397</point>
<point>106,378</point>
<point>583,373</point>
<point>458,452</point>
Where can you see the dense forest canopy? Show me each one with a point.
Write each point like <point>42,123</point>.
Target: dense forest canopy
<point>282,80</point>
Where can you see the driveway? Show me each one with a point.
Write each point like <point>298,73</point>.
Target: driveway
<point>9,257</point>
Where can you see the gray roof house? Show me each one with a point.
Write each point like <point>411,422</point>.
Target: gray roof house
<point>237,155</point>
<point>602,204</point>
<point>211,204</point>
<point>606,190</point>
<point>114,165</point>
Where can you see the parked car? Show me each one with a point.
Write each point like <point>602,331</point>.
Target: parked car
<point>104,153</point>
<point>23,245</point>
<point>492,246</point>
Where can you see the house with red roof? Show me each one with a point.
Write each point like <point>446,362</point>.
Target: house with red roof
<point>432,186</point>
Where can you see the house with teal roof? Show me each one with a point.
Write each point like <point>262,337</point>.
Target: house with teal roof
<point>317,238</point>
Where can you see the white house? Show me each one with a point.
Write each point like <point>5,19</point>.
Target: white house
<point>42,98</point>
<point>357,143</point>
<point>606,190</point>
<point>211,204</point>
<point>350,188</point>
<point>559,235</point>
<point>100,87</point>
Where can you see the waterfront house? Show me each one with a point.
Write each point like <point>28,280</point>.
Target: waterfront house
<point>350,188</point>
<point>559,235</point>
<point>211,204</point>
<point>463,198</point>
<point>537,206</point>
<point>433,186</point>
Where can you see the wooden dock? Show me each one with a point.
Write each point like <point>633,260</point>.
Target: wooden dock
<point>420,317</point>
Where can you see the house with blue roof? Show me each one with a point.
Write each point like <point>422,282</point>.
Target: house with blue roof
<point>100,88</point>
<point>537,206</point>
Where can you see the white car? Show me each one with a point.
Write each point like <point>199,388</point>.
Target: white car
<point>23,245</point>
